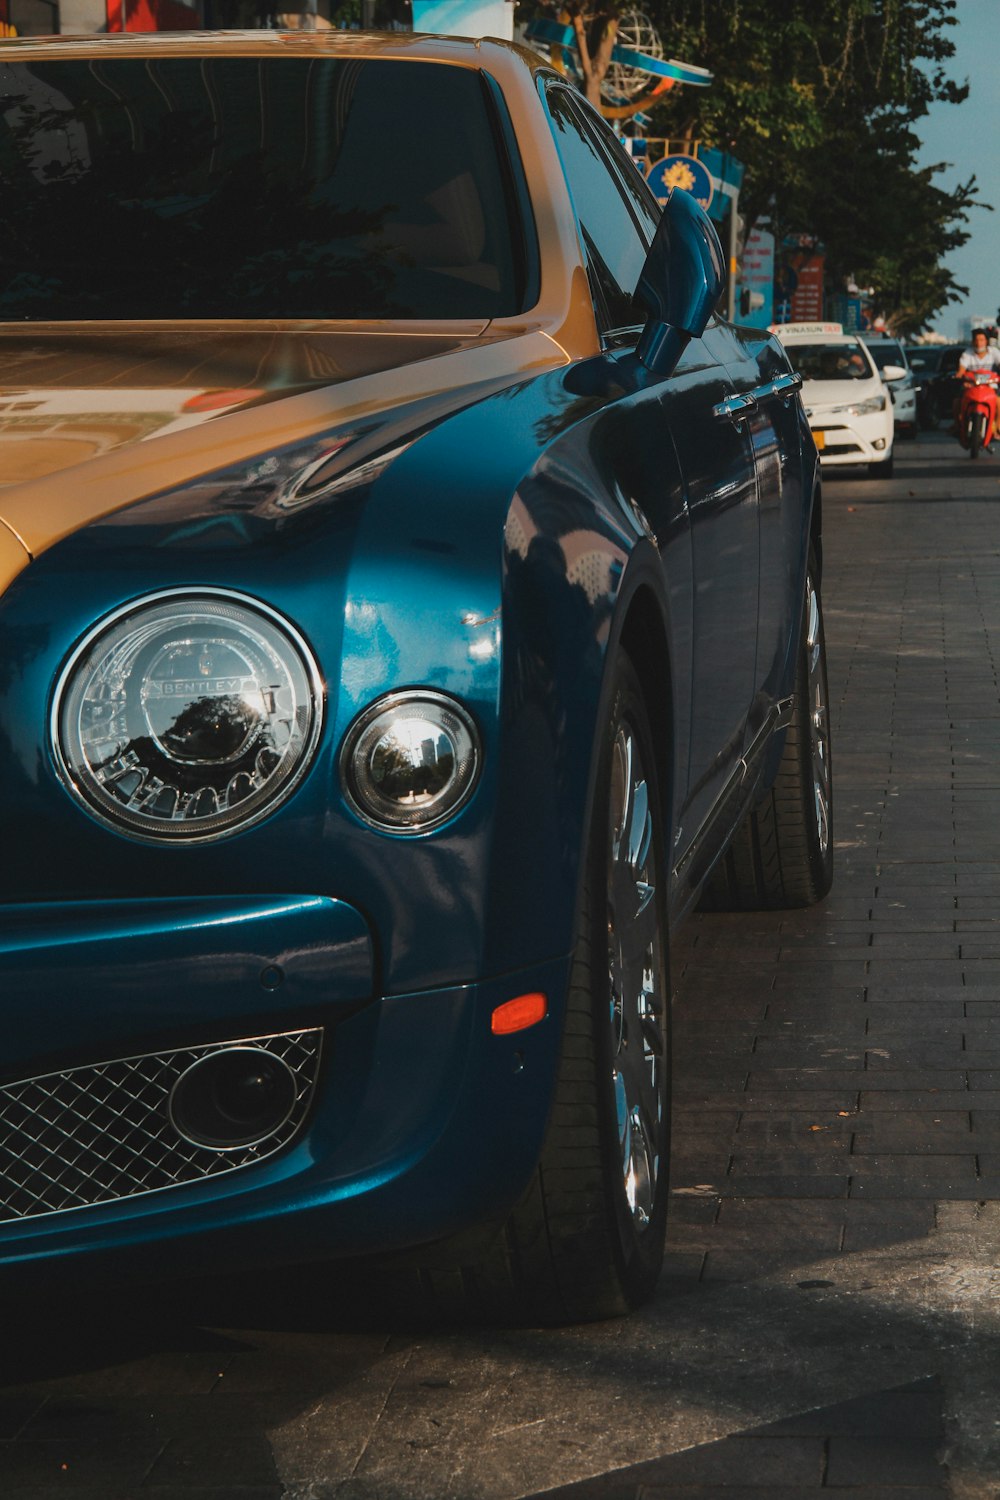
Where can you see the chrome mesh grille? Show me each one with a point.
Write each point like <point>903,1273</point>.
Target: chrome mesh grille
<point>101,1133</point>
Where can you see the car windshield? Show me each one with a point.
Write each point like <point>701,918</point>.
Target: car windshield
<point>249,187</point>
<point>830,361</point>
<point>887,354</point>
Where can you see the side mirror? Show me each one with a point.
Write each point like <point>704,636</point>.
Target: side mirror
<point>682,280</point>
<point>893,372</point>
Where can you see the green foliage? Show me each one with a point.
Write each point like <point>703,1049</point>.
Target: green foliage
<point>820,100</point>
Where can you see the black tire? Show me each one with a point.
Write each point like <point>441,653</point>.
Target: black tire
<point>883,469</point>
<point>977,423</point>
<point>586,1240</point>
<point>782,855</point>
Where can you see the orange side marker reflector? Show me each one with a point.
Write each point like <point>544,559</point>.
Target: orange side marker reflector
<point>515,1015</point>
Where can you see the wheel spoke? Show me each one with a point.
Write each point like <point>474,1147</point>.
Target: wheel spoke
<point>637,924</point>
<point>652,1034</point>
<point>636,972</point>
<point>819,726</point>
<point>640,828</point>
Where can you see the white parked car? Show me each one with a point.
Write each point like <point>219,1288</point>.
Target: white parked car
<point>847,403</point>
<point>900,381</point>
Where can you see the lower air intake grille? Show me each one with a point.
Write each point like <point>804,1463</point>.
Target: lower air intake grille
<point>101,1133</point>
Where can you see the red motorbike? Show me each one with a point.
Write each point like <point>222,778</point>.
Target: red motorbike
<point>978,410</point>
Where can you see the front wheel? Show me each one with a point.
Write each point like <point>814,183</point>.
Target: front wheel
<point>882,469</point>
<point>586,1240</point>
<point>602,1179</point>
<point>977,430</point>
<point>782,855</point>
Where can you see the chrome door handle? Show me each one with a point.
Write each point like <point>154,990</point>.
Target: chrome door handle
<point>781,389</point>
<point>735,408</point>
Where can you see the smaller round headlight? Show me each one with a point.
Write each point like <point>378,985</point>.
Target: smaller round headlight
<point>410,761</point>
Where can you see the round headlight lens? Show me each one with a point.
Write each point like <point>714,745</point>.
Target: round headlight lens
<point>410,761</point>
<point>187,717</point>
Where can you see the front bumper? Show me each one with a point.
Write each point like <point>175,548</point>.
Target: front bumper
<point>847,439</point>
<point>413,1119</point>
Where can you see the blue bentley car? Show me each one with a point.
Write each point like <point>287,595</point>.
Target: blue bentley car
<point>409,609</point>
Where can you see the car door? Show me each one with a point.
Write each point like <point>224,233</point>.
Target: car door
<point>704,512</point>
<point>770,412</point>
<point>710,416</point>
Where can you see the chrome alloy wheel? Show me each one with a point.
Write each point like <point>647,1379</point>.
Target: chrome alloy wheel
<point>819,717</point>
<point>637,977</point>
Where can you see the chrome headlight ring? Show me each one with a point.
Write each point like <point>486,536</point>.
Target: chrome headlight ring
<point>186,716</point>
<point>410,761</point>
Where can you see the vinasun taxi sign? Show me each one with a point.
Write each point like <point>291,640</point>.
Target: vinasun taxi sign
<point>782,329</point>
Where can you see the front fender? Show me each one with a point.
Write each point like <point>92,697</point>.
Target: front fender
<point>571,602</point>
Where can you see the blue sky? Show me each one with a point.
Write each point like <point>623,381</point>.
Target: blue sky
<point>968,136</point>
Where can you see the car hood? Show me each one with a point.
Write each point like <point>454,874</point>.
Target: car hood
<point>93,418</point>
<point>827,393</point>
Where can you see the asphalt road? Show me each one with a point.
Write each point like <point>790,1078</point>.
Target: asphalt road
<point>829,1317</point>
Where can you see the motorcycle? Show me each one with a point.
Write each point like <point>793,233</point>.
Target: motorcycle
<point>978,410</point>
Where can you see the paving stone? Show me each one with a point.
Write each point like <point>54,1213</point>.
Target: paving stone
<point>842,1103</point>
<point>909,945</point>
<point>883,1460</point>
<point>981,971</point>
<point>926,971</point>
<point>801,1130</point>
<point>919,1054</point>
<point>690,1207</point>
<point>903,1013</point>
<point>779,1158</point>
<point>784,1185</point>
<point>773,1461</point>
<point>908,1132</point>
<point>889,1080</point>
<point>924,1029</point>
<point>212,1458</point>
<point>910,1412</point>
<point>775,1052</point>
<point>101,1459</point>
<point>925,1101</point>
<point>934,1177</point>
<point>72,1418</point>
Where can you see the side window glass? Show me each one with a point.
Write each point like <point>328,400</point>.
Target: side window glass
<point>615,248</point>
<point>643,204</point>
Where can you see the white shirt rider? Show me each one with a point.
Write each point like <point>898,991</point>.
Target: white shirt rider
<point>982,356</point>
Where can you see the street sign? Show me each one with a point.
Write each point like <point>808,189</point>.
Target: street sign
<point>757,279</point>
<point>684,172</point>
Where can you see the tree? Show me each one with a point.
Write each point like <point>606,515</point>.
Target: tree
<point>594,31</point>
<point>819,100</point>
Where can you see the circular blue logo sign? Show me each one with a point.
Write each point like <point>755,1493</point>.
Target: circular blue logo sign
<point>684,172</point>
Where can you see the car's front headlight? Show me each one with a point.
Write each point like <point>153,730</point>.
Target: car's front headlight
<point>410,761</point>
<point>866,408</point>
<point>853,408</point>
<point>187,716</point>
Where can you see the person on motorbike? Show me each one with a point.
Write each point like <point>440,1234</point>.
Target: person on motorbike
<point>981,356</point>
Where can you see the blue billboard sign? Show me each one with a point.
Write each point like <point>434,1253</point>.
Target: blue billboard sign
<point>685,172</point>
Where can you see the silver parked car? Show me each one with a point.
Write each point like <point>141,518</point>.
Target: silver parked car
<point>894,367</point>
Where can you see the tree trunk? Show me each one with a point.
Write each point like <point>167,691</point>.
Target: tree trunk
<point>594,68</point>
<point>602,61</point>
